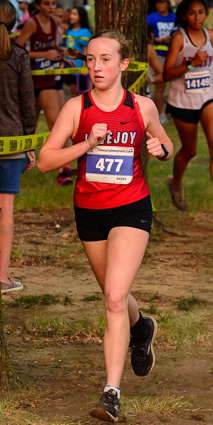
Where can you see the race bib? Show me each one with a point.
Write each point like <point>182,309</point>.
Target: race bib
<point>197,82</point>
<point>110,164</point>
<point>56,65</point>
<point>42,63</point>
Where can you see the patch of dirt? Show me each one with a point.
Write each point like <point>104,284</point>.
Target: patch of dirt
<point>65,373</point>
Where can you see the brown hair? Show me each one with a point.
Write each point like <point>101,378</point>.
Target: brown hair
<point>7,22</point>
<point>124,49</point>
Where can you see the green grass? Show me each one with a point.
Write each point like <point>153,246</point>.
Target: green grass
<point>189,303</point>
<point>196,182</point>
<point>89,298</point>
<point>27,301</point>
<point>136,407</point>
<point>186,329</point>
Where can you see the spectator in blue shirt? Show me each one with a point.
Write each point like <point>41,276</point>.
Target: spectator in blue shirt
<point>162,22</point>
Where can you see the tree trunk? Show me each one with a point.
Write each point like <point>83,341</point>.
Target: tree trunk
<point>128,18</point>
<point>7,377</point>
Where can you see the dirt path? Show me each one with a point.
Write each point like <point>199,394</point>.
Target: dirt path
<point>63,367</point>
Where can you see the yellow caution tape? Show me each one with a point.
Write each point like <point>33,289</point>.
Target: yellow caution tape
<point>137,66</point>
<point>78,38</point>
<point>61,71</point>
<point>15,34</point>
<point>133,66</point>
<point>10,145</point>
<point>161,47</point>
<point>138,84</point>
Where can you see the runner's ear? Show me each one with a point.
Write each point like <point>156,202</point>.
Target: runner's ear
<point>75,54</point>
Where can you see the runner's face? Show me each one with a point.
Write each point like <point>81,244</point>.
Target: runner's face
<point>47,7</point>
<point>195,15</point>
<point>59,14</point>
<point>104,62</point>
<point>74,17</point>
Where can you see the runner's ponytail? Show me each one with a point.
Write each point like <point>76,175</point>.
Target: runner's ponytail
<point>75,54</point>
<point>7,22</point>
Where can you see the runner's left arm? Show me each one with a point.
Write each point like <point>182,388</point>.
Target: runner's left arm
<point>155,133</point>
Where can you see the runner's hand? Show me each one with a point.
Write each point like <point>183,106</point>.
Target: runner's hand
<point>199,57</point>
<point>53,55</point>
<point>154,146</point>
<point>31,156</point>
<point>98,133</point>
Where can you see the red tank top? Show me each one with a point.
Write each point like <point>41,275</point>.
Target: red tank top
<point>127,131</point>
<point>41,42</point>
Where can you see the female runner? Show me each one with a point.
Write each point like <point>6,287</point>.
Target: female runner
<point>189,64</point>
<point>41,30</point>
<point>112,202</point>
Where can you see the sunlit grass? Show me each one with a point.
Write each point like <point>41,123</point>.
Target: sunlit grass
<point>197,184</point>
<point>135,407</point>
<point>185,330</point>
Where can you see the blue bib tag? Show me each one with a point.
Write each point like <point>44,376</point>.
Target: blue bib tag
<point>197,82</point>
<point>110,164</point>
<point>43,64</point>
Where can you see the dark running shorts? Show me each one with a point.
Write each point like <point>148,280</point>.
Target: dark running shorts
<point>95,225</point>
<point>37,91</point>
<point>82,81</point>
<point>191,116</point>
<point>10,173</point>
<point>59,84</point>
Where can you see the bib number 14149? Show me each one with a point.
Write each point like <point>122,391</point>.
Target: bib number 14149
<point>109,164</point>
<point>197,82</point>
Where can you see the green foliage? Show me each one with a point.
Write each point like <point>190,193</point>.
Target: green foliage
<point>68,300</point>
<point>27,301</point>
<point>189,303</point>
<point>92,298</point>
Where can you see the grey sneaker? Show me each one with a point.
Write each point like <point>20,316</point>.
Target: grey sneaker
<point>178,198</point>
<point>12,286</point>
<point>107,408</point>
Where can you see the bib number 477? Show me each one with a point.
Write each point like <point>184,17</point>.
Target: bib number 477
<point>105,163</point>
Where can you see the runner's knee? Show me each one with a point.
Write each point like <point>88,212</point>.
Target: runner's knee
<point>189,153</point>
<point>115,302</point>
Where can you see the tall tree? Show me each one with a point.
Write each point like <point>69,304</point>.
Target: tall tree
<point>7,376</point>
<point>128,17</point>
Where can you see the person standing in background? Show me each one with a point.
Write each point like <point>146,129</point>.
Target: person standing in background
<point>67,6</point>
<point>79,27</point>
<point>162,22</point>
<point>23,6</point>
<point>16,88</point>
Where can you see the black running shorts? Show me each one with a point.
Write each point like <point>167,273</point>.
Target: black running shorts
<point>95,225</point>
<point>191,116</point>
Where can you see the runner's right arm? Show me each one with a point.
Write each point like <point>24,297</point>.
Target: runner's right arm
<point>52,156</point>
<point>171,71</point>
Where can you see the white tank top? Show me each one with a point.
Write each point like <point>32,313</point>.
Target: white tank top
<point>192,89</point>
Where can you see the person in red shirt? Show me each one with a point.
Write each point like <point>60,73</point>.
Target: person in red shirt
<point>112,201</point>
